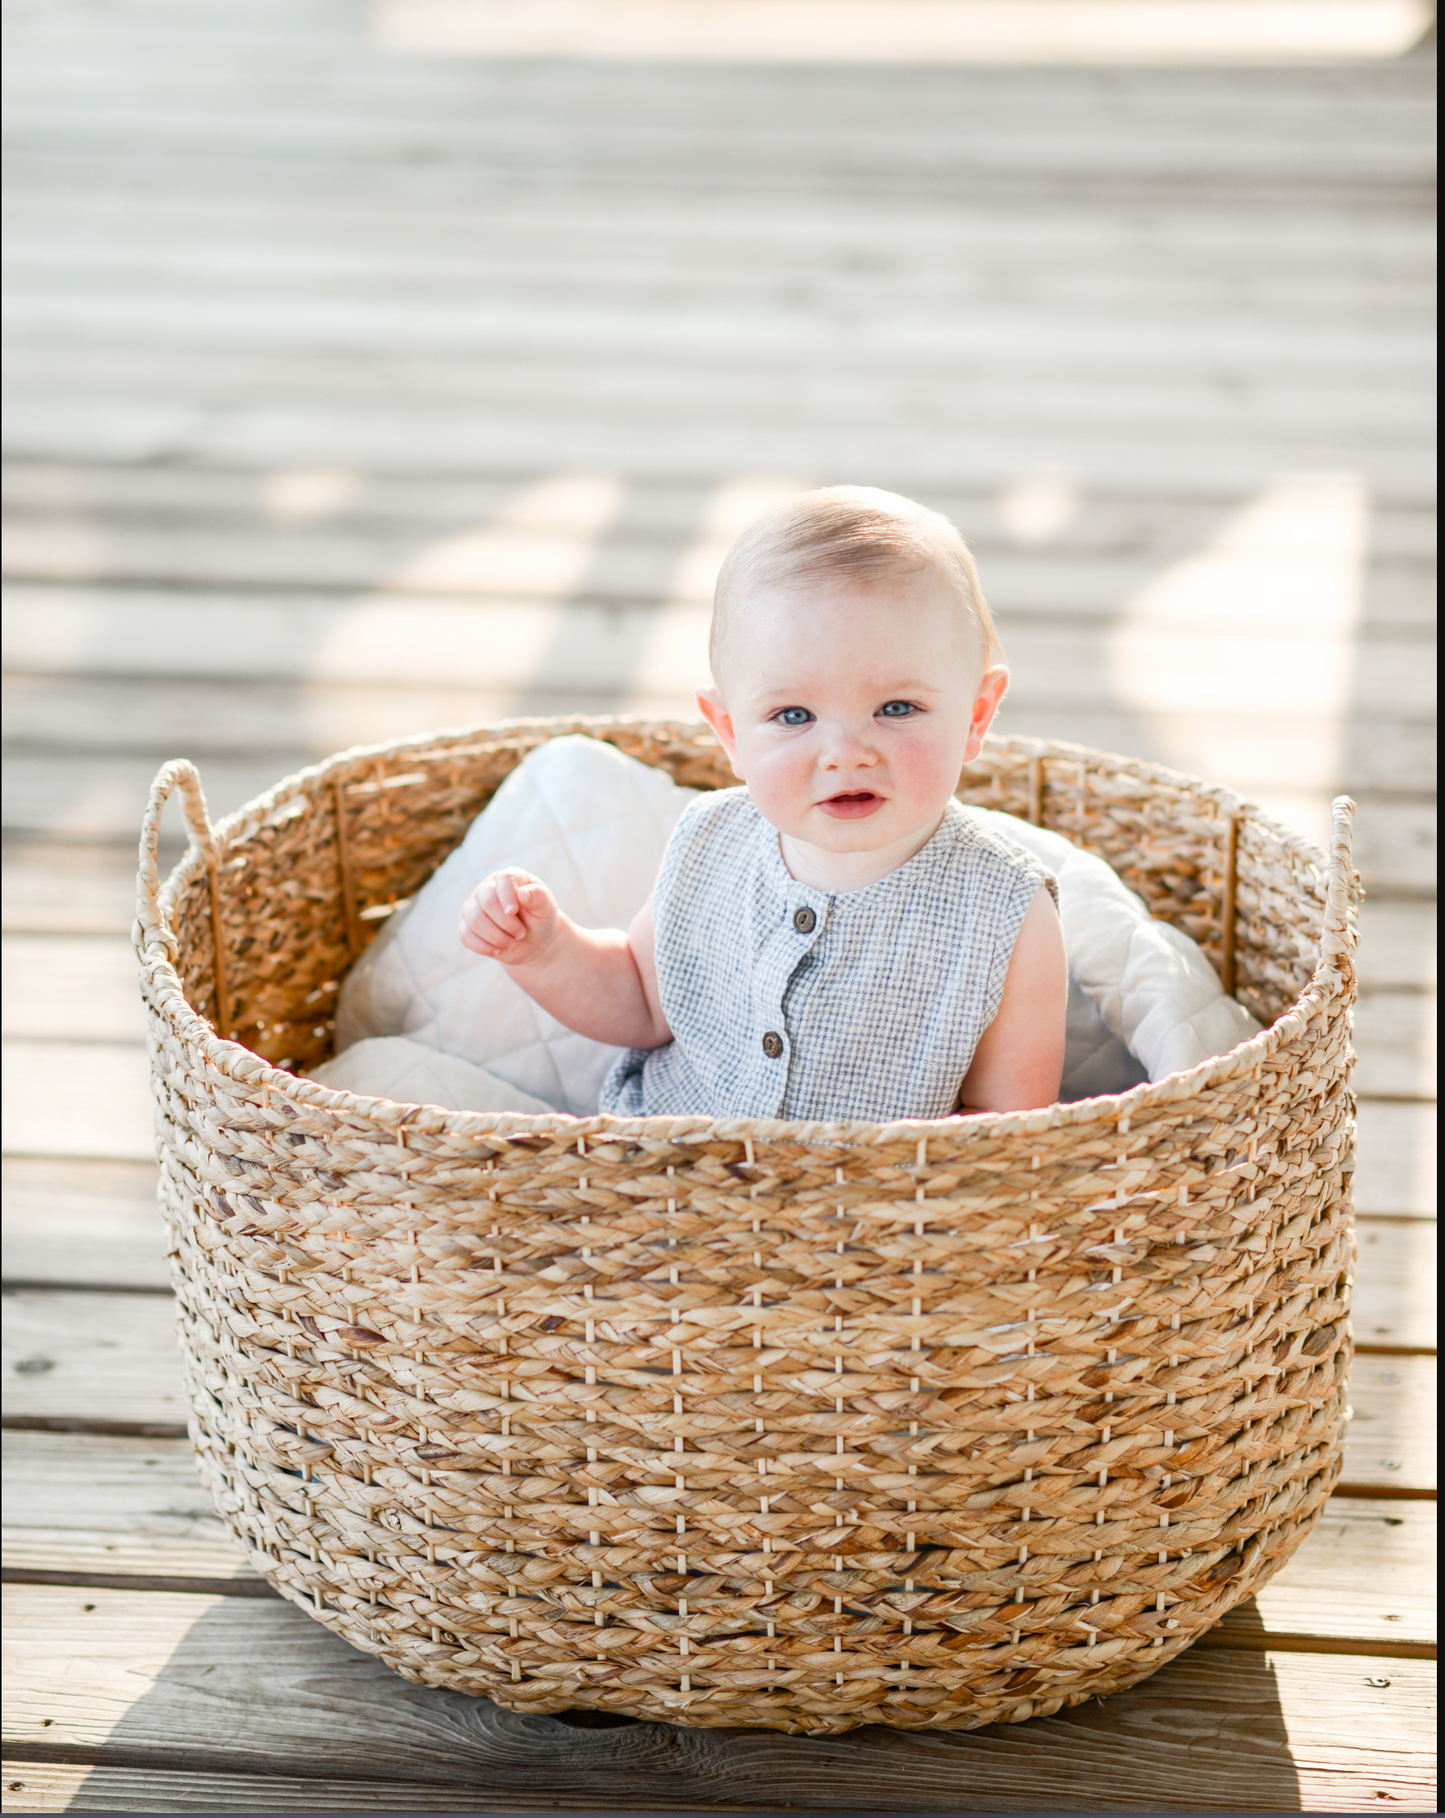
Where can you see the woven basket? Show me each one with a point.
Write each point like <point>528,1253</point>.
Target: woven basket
<point>731,1422</point>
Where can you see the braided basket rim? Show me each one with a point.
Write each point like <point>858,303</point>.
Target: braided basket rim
<point>157,947</point>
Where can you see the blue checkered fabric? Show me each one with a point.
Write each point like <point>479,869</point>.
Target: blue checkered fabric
<point>789,1002</point>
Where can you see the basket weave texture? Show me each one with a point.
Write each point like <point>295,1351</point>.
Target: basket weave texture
<point>730,1422</point>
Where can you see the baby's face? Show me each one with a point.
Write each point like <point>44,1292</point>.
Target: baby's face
<point>849,709</point>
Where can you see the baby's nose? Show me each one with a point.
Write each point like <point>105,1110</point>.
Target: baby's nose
<point>849,746</point>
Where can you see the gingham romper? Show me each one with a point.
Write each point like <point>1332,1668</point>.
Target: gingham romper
<point>789,1002</point>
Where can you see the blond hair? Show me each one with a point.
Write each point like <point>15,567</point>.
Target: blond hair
<point>852,532</point>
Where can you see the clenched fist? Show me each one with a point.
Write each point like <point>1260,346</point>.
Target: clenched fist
<point>510,916</point>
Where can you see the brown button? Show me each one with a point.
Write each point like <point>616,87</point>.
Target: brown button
<point>805,921</point>
<point>772,1045</point>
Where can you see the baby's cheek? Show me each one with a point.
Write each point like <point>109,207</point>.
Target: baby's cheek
<point>778,783</point>
<point>928,769</point>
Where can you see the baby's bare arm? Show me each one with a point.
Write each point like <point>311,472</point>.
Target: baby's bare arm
<point>598,981</point>
<point>1019,1061</point>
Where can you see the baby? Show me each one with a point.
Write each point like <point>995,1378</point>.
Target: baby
<point>839,938</point>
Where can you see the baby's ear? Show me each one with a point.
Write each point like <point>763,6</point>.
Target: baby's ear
<point>991,688</point>
<point>711,706</point>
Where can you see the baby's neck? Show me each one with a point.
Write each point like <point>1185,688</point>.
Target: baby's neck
<point>839,872</point>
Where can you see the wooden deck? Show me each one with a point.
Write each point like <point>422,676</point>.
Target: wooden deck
<point>352,392</point>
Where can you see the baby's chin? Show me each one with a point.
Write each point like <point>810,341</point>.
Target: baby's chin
<point>858,831</point>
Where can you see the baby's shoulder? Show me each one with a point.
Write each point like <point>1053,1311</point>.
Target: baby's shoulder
<point>717,814</point>
<point>713,830</point>
<point>981,845</point>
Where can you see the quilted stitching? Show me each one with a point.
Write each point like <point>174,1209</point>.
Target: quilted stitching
<point>593,824</point>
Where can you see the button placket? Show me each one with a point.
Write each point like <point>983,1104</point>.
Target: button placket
<point>798,930</point>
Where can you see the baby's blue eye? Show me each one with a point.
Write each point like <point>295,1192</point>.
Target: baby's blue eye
<point>793,716</point>
<point>897,710</point>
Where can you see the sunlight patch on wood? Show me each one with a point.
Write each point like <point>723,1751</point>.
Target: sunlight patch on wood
<point>1037,507</point>
<point>540,545</point>
<point>1262,621</point>
<point>304,495</point>
<point>906,31</point>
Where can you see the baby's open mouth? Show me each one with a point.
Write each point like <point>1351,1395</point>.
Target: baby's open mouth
<point>851,804</point>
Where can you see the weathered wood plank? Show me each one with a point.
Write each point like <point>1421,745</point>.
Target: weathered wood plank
<point>1395,846</point>
<point>1395,1044</point>
<point>96,1507</point>
<point>120,415</point>
<point>1395,1284</point>
<point>1398,946</point>
<point>252,202</point>
<point>1128,352</point>
<point>88,799</point>
<point>92,1360</point>
<point>1362,1582</point>
<point>77,1359</point>
<point>100,1506</point>
<point>1262,123</point>
<point>71,987</point>
<point>55,889</point>
<point>142,418</point>
<point>622,240</point>
<point>1390,1442</point>
<point>410,510</point>
<point>628,191</point>
<point>51,1786</point>
<point>77,1099</point>
<point>288,723</point>
<point>621,228</point>
<point>501,402</point>
<point>399,511</point>
<point>1396,1160</point>
<point>234,1684</point>
<point>1063,582</point>
<point>627,257</point>
<point>83,1224</point>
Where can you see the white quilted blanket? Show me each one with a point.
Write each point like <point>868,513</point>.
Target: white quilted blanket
<point>422,1020</point>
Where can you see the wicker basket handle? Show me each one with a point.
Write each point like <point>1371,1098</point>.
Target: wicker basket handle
<point>1342,892</point>
<point>152,923</point>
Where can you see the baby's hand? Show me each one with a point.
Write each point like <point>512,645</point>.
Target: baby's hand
<point>510,916</point>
